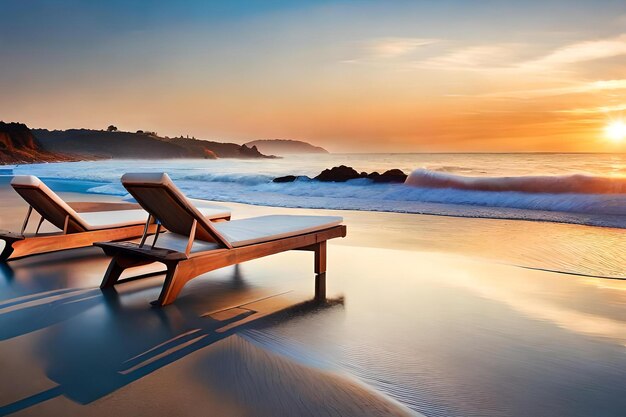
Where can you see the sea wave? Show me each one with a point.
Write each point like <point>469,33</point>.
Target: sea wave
<point>553,184</point>
<point>363,194</point>
<point>247,179</point>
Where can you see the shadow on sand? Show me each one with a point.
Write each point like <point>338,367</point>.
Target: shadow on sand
<point>96,342</point>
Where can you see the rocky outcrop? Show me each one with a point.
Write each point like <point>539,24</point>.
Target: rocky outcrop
<point>393,175</point>
<point>341,173</point>
<point>344,173</point>
<point>19,145</point>
<point>285,147</point>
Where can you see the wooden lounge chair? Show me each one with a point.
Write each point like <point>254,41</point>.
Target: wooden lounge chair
<point>194,246</point>
<point>95,222</point>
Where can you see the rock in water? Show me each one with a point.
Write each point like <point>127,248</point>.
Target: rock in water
<point>393,175</point>
<point>286,178</point>
<point>344,173</point>
<point>338,174</point>
<point>291,178</point>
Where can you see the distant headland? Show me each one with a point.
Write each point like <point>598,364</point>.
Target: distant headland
<point>285,146</point>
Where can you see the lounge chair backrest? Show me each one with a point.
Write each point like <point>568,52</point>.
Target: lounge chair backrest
<point>47,203</point>
<point>158,195</point>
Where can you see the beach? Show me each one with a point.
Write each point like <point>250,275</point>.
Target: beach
<point>431,315</point>
<point>313,208</point>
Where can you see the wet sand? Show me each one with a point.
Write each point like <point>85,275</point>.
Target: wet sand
<point>424,314</point>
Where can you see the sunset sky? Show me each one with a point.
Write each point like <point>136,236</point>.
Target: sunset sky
<point>365,76</point>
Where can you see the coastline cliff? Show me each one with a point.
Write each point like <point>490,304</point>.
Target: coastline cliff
<point>19,145</point>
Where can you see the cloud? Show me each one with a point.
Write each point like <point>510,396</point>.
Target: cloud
<point>508,56</point>
<point>582,52</point>
<point>480,57</point>
<point>384,48</point>
<point>579,88</point>
<point>596,110</point>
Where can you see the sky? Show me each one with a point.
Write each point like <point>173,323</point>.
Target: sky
<point>352,76</point>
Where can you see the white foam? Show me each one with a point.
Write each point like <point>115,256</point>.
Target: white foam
<point>553,184</point>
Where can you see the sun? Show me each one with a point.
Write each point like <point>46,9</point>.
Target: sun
<point>616,130</point>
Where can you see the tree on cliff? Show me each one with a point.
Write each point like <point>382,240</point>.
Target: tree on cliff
<point>112,128</point>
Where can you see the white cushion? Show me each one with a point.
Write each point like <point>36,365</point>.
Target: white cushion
<point>112,219</point>
<point>214,212</point>
<point>174,241</point>
<point>26,180</point>
<point>121,218</point>
<point>34,182</point>
<point>266,228</point>
<point>146,177</point>
<point>210,210</point>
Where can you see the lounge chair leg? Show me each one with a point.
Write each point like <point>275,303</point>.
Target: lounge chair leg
<point>116,267</point>
<point>112,274</point>
<point>320,257</point>
<point>320,287</point>
<point>6,251</point>
<point>175,280</point>
<point>320,271</point>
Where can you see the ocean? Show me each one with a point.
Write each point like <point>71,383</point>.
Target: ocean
<point>570,188</point>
